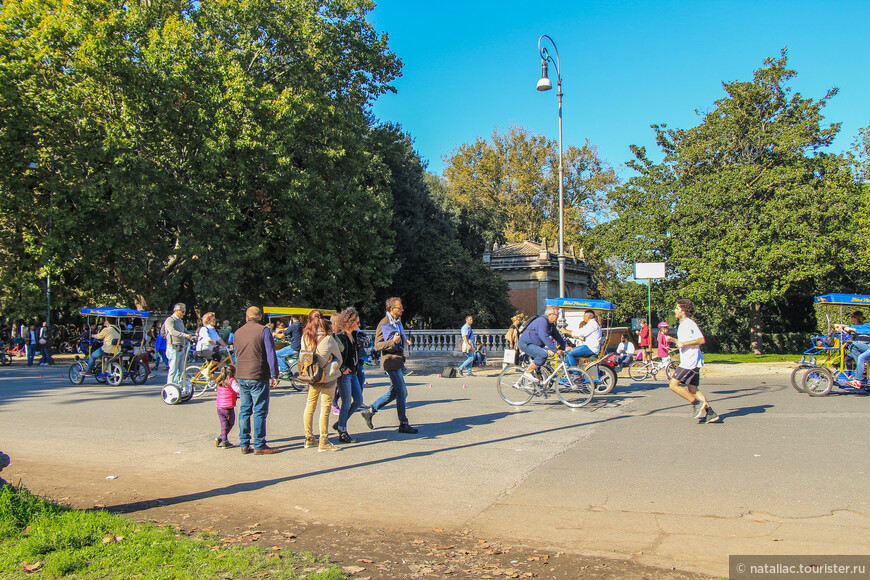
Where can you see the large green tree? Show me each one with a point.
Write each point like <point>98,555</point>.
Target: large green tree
<point>745,208</point>
<point>439,280</point>
<point>507,189</point>
<point>214,152</point>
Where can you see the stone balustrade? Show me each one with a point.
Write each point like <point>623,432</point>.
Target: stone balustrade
<point>445,342</point>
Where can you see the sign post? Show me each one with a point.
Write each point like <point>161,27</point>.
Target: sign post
<point>649,271</point>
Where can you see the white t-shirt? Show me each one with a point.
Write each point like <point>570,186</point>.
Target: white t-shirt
<point>690,356</point>
<point>204,335</point>
<point>591,335</point>
<point>625,347</point>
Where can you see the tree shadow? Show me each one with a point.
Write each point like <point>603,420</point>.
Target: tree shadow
<point>431,430</point>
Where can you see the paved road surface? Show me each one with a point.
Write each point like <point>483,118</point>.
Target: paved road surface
<point>630,476</point>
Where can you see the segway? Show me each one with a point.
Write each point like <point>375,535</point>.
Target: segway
<point>172,393</point>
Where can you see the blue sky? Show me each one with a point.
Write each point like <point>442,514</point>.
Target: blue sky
<point>470,67</point>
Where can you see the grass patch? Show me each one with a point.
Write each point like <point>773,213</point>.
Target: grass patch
<point>714,358</point>
<point>40,538</point>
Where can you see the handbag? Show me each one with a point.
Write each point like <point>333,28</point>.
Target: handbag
<point>42,341</point>
<point>510,356</point>
<point>392,362</point>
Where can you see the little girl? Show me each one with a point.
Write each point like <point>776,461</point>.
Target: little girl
<point>227,395</point>
<point>663,341</point>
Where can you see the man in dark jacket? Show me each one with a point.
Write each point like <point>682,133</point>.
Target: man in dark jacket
<point>256,369</point>
<point>539,336</point>
<point>391,341</point>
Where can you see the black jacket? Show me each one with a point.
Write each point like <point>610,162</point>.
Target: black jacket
<point>349,351</point>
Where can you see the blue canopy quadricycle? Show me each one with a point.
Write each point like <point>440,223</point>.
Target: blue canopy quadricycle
<point>128,359</point>
<point>827,363</point>
<point>598,368</point>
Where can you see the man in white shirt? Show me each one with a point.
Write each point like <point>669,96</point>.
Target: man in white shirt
<point>625,351</point>
<point>686,378</point>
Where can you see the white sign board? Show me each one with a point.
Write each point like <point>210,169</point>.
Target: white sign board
<point>649,270</point>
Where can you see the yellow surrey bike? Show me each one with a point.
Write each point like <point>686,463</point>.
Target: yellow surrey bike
<point>196,379</point>
<point>573,385</point>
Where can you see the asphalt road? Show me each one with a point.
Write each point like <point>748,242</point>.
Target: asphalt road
<point>632,475</point>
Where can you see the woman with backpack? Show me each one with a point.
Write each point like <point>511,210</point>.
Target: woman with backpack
<point>316,339</point>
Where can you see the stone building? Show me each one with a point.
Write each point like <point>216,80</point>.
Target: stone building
<point>531,270</point>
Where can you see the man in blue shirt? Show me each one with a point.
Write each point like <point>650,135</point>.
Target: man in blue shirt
<point>466,337</point>
<point>539,336</point>
<point>294,334</point>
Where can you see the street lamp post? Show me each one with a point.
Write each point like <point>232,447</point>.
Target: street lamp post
<point>545,85</point>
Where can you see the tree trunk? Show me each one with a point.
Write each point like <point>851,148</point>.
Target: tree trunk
<point>755,335</point>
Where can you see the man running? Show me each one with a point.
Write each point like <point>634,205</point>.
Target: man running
<point>686,378</point>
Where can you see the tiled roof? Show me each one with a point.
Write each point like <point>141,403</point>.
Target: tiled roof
<point>521,249</point>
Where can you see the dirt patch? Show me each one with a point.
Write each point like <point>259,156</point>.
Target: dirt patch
<point>373,553</point>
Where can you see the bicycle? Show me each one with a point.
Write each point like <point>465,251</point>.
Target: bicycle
<point>198,382</point>
<point>573,385</point>
<point>642,370</point>
<point>292,372</point>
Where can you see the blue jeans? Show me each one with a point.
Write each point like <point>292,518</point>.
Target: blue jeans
<point>284,352</point>
<point>468,362</point>
<point>92,359</point>
<point>480,358</point>
<point>31,352</point>
<point>255,402</point>
<point>398,392</point>
<point>351,398</point>
<point>175,354</point>
<point>580,351</point>
<point>161,354</point>
<point>862,359</point>
<point>537,353</point>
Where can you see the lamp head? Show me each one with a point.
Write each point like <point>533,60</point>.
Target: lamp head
<point>544,84</point>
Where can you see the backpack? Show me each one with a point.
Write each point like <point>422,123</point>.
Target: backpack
<point>163,327</point>
<point>525,325</point>
<point>309,371</point>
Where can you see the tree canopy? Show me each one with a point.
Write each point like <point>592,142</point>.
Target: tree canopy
<point>745,208</point>
<point>213,152</point>
<point>507,189</point>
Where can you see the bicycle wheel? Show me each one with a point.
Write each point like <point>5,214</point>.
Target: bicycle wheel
<point>797,376</point>
<point>671,369</point>
<point>114,373</point>
<point>76,373</point>
<point>575,388</point>
<point>606,380</point>
<point>513,388</point>
<point>294,372</point>
<point>139,372</point>
<point>818,382</point>
<point>196,380</point>
<point>638,370</point>
<point>6,359</point>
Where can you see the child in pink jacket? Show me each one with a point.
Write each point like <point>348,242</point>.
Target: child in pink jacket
<point>227,395</point>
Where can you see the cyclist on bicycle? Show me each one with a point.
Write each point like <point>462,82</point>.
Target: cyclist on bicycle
<point>294,335</point>
<point>539,336</point>
<point>207,343</point>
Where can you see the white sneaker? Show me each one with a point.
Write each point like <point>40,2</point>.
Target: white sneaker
<point>532,378</point>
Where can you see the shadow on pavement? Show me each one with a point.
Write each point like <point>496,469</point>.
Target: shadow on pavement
<point>458,424</point>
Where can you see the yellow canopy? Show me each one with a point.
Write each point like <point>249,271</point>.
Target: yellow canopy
<point>279,311</point>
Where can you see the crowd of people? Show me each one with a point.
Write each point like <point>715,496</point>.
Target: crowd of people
<point>33,340</point>
<point>334,346</point>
